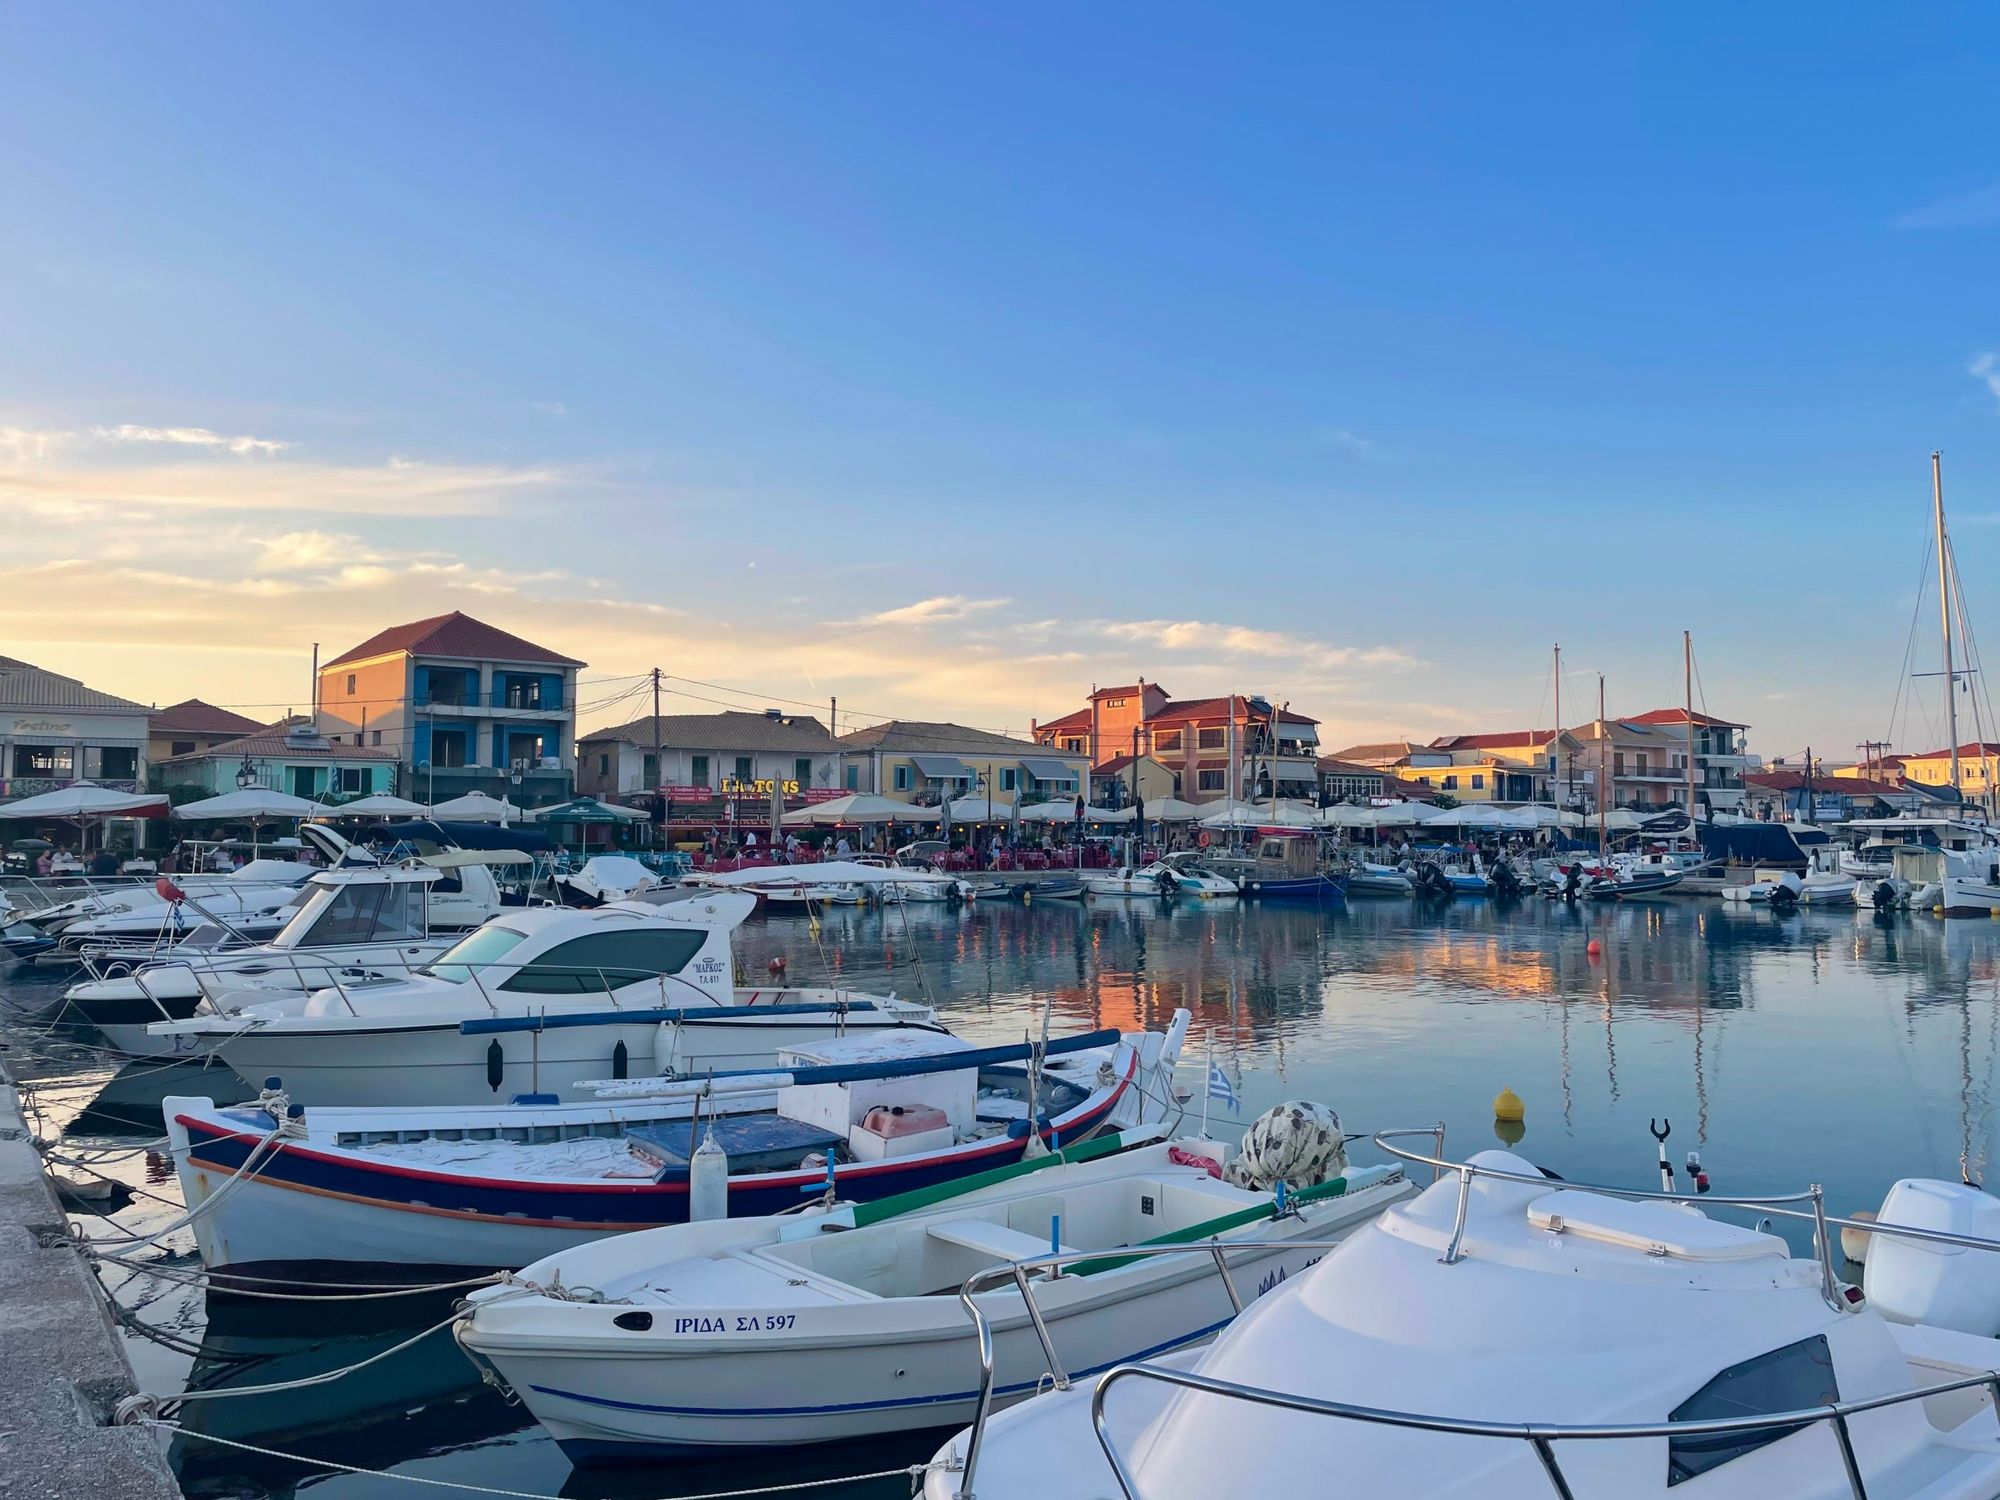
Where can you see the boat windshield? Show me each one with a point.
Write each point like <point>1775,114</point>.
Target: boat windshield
<point>374,911</point>
<point>474,951</point>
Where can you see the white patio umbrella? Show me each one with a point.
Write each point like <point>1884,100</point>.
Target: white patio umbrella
<point>380,805</point>
<point>861,807</point>
<point>475,807</point>
<point>1346,815</point>
<point>1063,810</point>
<point>972,808</point>
<point>1404,814</point>
<point>1171,810</point>
<point>253,804</point>
<point>1622,820</point>
<point>82,801</point>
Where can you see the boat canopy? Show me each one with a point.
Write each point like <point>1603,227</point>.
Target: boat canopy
<point>1752,844</point>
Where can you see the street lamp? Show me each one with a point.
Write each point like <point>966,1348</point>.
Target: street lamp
<point>246,775</point>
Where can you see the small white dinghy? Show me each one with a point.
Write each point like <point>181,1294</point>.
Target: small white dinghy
<point>803,1329</point>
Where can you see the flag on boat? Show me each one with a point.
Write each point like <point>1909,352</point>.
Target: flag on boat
<point>1219,1087</point>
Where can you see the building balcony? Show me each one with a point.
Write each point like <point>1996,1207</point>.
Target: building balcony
<point>499,702</point>
<point>12,787</point>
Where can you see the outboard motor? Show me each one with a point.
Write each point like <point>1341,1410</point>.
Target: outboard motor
<point>1572,881</point>
<point>1166,883</point>
<point>1505,881</point>
<point>1885,895</point>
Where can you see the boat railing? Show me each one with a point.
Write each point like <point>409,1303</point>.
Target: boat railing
<point>1024,1275</point>
<point>1542,1436</point>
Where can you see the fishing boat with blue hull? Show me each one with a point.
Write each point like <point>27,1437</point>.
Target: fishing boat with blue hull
<point>867,1116</point>
<point>1285,866</point>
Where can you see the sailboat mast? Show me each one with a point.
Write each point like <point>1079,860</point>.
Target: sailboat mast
<point>1687,686</point>
<point>1944,609</point>
<point>1553,793</point>
<point>1603,771</point>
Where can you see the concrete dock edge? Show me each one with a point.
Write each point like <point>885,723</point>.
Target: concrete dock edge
<point>62,1365</point>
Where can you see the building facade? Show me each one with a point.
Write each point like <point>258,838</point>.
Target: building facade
<point>1720,751</point>
<point>924,763</point>
<point>1350,781</point>
<point>290,756</point>
<point>1123,778</point>
<point>1978,768</point>
<point>54,731</point>
<point>1232,746</point>
<point>705,762</point>
<point>192,727</point>
<point>463,706</point>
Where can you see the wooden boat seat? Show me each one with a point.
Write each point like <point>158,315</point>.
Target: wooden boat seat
<point>987,1238</point>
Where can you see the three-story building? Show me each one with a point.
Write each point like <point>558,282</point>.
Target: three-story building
<point>465,705</point>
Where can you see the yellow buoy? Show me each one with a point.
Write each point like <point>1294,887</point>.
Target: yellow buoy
<point>1507,1106</point>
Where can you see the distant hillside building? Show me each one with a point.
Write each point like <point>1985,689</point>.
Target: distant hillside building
<point>463,705</point>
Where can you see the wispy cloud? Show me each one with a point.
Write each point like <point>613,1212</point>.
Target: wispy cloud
<point>933,611</point>
<point>1246,641</point>
<point>1958,211</point>
<point>1353,442</point>
<point>191,437</point>
<point>549,408</point>
<point>1985,368</point>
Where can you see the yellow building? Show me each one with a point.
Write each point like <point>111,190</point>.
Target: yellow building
<point>922,764</point>
<point>1978,767</point>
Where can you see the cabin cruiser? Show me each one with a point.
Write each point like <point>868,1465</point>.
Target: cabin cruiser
<point>532,1003</point>
<point>1284,866</point>
<point>1507,1335</point>
<point>349,923</point>
<point>872,1114</point>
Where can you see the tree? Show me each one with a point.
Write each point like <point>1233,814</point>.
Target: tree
<point>1444,800</point>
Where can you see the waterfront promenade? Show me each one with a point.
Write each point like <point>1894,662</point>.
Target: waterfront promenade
<point>61,1361</point>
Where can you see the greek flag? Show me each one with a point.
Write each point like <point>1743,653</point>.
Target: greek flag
<point>1219,1087</point>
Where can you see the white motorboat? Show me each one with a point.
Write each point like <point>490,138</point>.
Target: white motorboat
<point>350,923</point>
<point>503,1185</point>
<point>251,903</point>
<point>605,877</point>
<point>1195,875</point>
<point>1153,880</point>
<point>1826,882</point>
<point>839,882</point>
<point>1512,1337</point>
<point>910,880</point>
<point>1779,888</point>
<point>533,1003</point>
<point>808,893</point>
<point>1365,879</point>
<point>803,1330</point>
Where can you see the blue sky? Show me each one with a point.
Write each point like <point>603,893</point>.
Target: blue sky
<point>951,358</point>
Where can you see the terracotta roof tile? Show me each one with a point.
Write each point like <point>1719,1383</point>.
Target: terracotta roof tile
<point>197,717</point>
<point>454,634</point>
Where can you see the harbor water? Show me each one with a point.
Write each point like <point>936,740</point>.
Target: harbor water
<point>1828,1046</point>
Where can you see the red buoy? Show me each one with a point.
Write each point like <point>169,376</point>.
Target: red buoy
<point>1593,947</point>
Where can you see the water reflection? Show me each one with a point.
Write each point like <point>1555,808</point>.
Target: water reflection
<point>1841,1047</point>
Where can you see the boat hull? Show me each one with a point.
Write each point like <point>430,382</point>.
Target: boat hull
<point>306,1206</point>
<point>1321,888</point>
<point>1969,898</point>
<point>421,1065</point>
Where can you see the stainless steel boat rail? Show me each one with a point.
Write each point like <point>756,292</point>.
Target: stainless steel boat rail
<point>1542,1436</point>
<point>1021,1273</point>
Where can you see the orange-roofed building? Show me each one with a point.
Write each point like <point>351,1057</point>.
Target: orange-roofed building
<point>1229,746</point>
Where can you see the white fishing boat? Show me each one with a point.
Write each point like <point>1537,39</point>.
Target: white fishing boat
<point>1512,1337</point>
<point>805,1330</point>
<point>350,924</point>
<point>1826,882</point>
<point>533,1003</point>
<point>501,1185</point>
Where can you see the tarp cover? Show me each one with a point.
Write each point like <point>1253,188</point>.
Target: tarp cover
<point>1752,844</point>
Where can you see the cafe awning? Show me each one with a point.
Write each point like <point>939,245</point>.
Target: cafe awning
<point>943,767</point>
<point>1045,768</point>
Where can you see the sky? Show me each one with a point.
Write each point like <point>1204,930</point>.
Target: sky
<point>950,359</point>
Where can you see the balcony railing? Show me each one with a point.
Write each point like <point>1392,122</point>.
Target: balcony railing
<point>503,699</point>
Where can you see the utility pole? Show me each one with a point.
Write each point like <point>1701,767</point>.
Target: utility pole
<point>659,762</point>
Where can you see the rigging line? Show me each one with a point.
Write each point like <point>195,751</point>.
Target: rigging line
<point>1903,678</point>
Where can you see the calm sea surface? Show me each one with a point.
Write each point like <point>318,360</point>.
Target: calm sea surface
<point>1837,1047</point>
